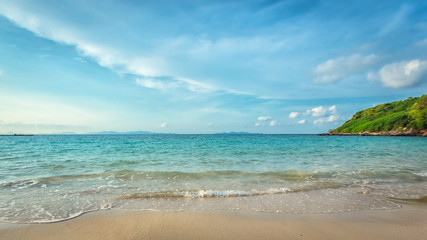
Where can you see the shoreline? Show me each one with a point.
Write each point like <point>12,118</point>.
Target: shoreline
<point>408,222</point>
<point>422,133</point>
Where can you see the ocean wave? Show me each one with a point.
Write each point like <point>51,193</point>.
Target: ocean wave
<point>204,194</point>
<point>422,174</point>
<point>347,177</point>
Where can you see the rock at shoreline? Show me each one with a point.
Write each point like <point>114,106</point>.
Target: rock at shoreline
<point>420,133</point>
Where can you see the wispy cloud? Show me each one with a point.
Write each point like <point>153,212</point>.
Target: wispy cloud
<point>156,84</point>
<point>235,64</point>
<point>397,19</point>
<point>342,67</point>
<point>421,43</point>
<point>105,55</point>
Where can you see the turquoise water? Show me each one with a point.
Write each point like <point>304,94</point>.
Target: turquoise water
<point>50,178</point>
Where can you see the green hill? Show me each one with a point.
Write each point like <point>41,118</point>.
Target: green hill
<point>409,115</point>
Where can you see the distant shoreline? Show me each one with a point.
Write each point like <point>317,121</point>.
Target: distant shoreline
<point>16,135</point>
<point>420,133</point>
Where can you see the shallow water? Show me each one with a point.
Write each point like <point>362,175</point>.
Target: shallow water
<point>51,178</point>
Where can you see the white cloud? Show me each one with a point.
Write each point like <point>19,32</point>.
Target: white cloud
<point>318,111</point>
<point>274,123</point>
<point>318,121</point>
<point>342,67</point>
<point>332,118</point>
<point>326,114</point>
<point>293,114</point>
<point>1,72</point>
<point>263,118</point>
<point>109,56</point>
<point>321,111</point>
<point>163,125</point>
<point>403,74</point>
<point>332,109</point>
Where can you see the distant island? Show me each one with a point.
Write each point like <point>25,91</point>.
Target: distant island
<point>400,118</point>
<point>16,135</point>
<point>128,133</point>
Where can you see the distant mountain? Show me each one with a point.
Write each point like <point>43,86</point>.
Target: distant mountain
<point>129,133</point>
<point>237,133</point>
<point>408,117</point>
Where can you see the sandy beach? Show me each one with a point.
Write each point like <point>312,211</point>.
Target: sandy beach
<point>409,222</point>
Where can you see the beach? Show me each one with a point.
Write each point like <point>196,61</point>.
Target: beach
<point>207,120</point>
<point>408,222</point>
<point>212,187</point>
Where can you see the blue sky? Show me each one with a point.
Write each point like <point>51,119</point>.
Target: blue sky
<point>205,66</point>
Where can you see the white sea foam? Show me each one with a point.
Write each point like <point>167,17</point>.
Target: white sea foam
<point>232,193</point>
<point>422,174</point>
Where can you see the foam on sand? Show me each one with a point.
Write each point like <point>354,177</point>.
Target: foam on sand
<point>406,223</point>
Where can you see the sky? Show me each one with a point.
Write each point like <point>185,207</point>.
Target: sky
<point>293,66</point>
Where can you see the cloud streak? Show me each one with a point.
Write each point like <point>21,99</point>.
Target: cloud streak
<point>105,55</point>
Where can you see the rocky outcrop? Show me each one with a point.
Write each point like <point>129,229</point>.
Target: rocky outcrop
<point>413,133</point>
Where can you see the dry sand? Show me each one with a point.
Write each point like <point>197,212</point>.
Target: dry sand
<point>409,222</point>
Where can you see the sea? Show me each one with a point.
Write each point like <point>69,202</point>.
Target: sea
<point>50,178</point>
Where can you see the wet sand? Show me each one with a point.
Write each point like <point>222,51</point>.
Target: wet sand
<point>409,222</point>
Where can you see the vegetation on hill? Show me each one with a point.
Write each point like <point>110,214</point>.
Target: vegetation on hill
<point>407,115</point>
